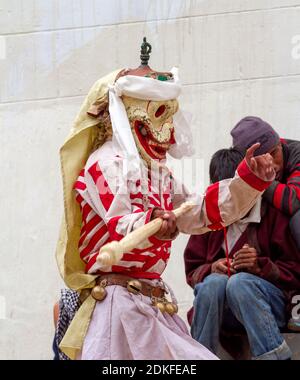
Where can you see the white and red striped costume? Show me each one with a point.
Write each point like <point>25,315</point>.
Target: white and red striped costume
<point>111,210</point>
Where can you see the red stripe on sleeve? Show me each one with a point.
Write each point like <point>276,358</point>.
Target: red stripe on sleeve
<point>153,260</point>
<point>211,203</point>
<point>290,202</point>
<point>250,178</point>
<point>79,198</point>
<point>94,240</point>
<point>296,189</point>
<point>87,228</point>
<point>105,194</point>
<point>295,174</point>
<point>86,209</point>
<point>278,194</point>
<point>91,262</point>
<point>79,185</point>
<point>112,226</point>
<point>136,196</point>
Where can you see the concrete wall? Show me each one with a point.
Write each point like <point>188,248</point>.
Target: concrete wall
<point>236,57</point>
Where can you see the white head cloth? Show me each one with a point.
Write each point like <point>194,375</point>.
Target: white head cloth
<point>146,89</point>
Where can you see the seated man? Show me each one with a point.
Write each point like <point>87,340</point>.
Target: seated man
<point>284,193</point>
<point>252,284</point>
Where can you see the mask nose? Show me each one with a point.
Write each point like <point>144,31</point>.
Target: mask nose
<point>160,110</point>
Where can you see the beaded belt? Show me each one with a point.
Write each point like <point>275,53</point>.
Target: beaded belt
<point>156,293</point>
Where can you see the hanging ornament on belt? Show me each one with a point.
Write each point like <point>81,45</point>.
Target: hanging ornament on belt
<point>99,292</point>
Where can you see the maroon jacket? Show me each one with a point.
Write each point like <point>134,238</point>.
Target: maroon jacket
<point>279,258</point>
<point>285,194</point>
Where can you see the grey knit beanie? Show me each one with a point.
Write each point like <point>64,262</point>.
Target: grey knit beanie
<point>252,129</point>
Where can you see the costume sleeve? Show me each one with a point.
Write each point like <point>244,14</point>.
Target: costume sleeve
<point>223,203</point>
<point>118,202</point>
<point>286,197</point>
<point>195,259</point>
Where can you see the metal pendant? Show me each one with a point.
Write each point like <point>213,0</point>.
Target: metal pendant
<point>164,305</point>
<point>170,308</point>
<point>160,306</point>
<point>175,308</point>
<point>99,293</point>
<point>134,286</point>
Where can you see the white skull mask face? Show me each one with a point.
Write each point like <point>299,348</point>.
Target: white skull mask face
<point>152,125</point>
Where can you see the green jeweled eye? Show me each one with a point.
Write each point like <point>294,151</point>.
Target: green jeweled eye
<point>162,77</point>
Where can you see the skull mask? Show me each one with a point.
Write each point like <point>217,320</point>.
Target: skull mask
<point>152,126</point>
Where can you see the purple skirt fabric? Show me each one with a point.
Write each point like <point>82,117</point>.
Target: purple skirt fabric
<point>125,326</point>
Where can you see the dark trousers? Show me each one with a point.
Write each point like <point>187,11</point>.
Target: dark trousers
<point>55,349</point>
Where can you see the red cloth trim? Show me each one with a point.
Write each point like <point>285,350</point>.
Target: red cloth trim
<point>211,204</point>
<point>250,178</point>
<point>216,226</point>
<point>226,251</point>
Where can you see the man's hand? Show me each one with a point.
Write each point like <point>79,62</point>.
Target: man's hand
<point>246,260</point>
<point>168,229</point>
<point>262,166</point>
<point>220,266</point>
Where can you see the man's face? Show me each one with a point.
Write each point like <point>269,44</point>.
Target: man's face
<point>152,125</point>
<point>277,155</point>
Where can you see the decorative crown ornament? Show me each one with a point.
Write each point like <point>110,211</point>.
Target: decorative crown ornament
<point>146,49</point>
<point>144,70</point>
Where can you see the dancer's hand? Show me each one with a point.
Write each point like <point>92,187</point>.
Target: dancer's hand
<point>262,166</point>
<point>168,229</point>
